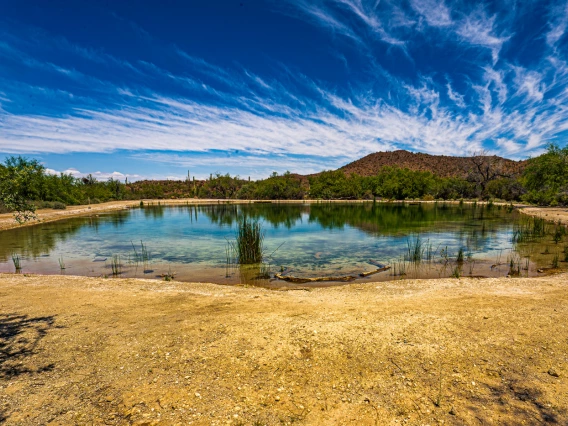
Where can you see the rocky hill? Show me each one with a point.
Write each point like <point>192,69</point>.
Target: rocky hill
<point>441,165</point>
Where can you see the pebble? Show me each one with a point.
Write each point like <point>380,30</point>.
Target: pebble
<point>553,372</point>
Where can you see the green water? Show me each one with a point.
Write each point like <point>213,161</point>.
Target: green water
<point>307,240</point>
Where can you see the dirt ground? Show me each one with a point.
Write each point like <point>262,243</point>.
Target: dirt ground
<point>77,350</point>
<point>556,214</point>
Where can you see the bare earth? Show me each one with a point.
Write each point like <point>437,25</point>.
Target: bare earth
<point>77,350</point>
<point>556,214</point>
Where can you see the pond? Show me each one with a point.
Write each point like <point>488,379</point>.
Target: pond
<point>333,240</point>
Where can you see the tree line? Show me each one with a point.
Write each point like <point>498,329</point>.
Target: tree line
<point>25,185</point>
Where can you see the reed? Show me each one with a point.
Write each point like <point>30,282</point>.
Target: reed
<point>249,242</point>
<point>514,261</point>
<point>115,265</point>
<point>61,263</point>
<point>471,265</point>
<point>415,249</point>
<point>456,273</point>
<point>529,229</point>
<point>399,267</point>
<point>555,261</point>
<point>559,232</point>
<point>17,260</point>
<point>460,256</point>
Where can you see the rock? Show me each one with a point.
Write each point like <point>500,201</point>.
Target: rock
<point>452,411</point>
<point>552,372</point>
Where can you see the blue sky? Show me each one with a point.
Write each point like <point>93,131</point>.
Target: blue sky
<point>150,89</point>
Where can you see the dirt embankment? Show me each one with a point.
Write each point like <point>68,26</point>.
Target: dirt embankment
<point>93,351</point>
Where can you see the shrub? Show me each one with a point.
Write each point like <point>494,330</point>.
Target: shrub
<point>58,205</point>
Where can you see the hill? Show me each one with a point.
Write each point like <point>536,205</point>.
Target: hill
<point>440,165</point>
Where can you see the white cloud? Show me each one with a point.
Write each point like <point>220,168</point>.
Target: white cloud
<point>101,176</point>
<point>436,13</point>
<point>478,29</point>
<point>557,24</point>
<point>455,97</point>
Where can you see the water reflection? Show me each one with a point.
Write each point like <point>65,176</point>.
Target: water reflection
<point>312,239</point>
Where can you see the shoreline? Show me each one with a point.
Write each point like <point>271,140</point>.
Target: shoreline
<point>50,215</point>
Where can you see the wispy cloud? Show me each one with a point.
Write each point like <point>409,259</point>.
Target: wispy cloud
<point>435,12</point>
<point>478,29</point>
<point>296,122</point>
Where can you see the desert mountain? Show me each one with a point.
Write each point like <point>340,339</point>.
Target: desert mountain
<point>441,165</point>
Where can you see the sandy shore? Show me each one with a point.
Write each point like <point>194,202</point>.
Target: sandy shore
<point>77,350</point>
<point>556,214</point>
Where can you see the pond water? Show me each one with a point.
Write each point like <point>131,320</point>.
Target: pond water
<point>301,240</point>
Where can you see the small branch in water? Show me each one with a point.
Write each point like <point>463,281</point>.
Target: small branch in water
<point>312,280</point>
<point>376,271</point>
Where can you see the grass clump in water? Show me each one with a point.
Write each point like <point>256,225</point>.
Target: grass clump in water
<point>61,263</point>
<point>555,261</point>
<point>415,249</point>
<point>559,232</point>
<point>249,242</point>
<point>17,260</point>
<point>460,256</point>
<point>529,229</point>
<point>115,265</point>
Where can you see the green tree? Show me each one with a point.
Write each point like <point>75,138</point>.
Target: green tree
<point>546,177</point>
<point>20,182</point>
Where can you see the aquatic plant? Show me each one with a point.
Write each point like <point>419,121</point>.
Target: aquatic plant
<point>471,265</point>
<point>559,232</point>
<point>264,271</point>
<point>169,276</point>
<point>61,263</point>
<point>529,229</point>
<point>143,256</point>
<point>249,242</point>
<point>460,256</point>
<point>415,249</point>
<point>514,264</point>
<point>444,254</point>
<point>555,261</point>
<point>17,260</point>
<point>456,273</point>
<point>115,265</point>
<point>399,267</point>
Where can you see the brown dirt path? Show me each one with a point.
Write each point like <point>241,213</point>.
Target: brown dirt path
<point>77,350</point>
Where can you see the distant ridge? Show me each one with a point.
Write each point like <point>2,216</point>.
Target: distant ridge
<point>440,165</point>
